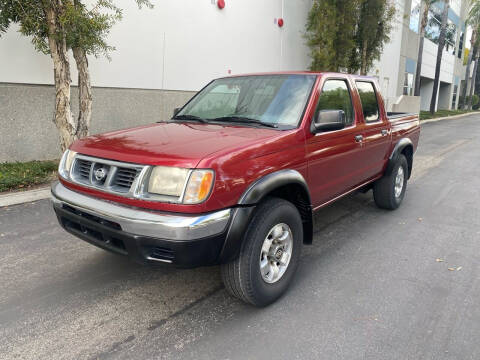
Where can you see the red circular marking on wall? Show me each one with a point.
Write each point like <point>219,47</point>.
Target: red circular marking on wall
<point>280,22</point>
<point>221,4</point>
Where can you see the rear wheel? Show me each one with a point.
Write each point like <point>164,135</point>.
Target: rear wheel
<point>269,255</point>
<point>389,190</point>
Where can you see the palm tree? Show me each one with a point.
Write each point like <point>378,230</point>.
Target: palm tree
<point>441,45</point>
<point>473,20</point>
<point>425,5</point>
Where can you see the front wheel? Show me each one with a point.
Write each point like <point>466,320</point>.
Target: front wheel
<point>269,255</point>
<point>389,190</point>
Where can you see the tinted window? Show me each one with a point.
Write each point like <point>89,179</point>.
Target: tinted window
<point>336,96</point>
<point>276,99</point>
<point>369,100</point>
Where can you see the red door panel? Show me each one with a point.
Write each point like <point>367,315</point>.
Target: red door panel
<point>334,164</point>
<point>335,159</point>
<point>377,140</point>
<point>375,128</point>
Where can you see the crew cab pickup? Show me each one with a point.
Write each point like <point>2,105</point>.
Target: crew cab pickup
<point>235,176</point>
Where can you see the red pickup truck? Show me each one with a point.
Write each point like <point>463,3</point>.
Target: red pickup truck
<point>235,176</point>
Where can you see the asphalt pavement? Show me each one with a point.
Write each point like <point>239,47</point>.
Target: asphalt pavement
<point>374,285</point>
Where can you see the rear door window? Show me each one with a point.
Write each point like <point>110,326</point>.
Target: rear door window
<point>369,101</point>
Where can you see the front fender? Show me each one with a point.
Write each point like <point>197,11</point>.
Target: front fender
<point>269,183</point>
<point>242,214</point>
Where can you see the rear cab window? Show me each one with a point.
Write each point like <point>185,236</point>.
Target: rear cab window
<point>335,95</point>
<point>369,101</point>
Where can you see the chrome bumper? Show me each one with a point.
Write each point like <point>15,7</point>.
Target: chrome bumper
<point>166,226</point>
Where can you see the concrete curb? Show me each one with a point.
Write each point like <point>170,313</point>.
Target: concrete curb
<point>448,117</point>
<point>24,196</point>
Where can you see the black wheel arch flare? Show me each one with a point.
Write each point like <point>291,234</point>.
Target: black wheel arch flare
<point>404,145</point>
<point>288,184</point>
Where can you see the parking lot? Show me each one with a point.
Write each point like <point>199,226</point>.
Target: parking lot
<point>374,284</point>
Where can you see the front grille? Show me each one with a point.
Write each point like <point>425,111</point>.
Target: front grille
<point>107,175</point>
<point>124,178</point>
<point>82,168</point>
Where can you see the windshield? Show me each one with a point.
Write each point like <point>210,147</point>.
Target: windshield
<point>274,100</point>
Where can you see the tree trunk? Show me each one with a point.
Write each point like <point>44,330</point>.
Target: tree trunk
<point>472,86</point>
<point>441,45</point>
<point>420,50</point>
<point>363,68</point>
<point>58,51</point>
<point>467,71</point>
<point>84,93</point>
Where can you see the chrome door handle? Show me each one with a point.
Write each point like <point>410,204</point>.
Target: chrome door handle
<point>384,132</point>
<point>358,138</point>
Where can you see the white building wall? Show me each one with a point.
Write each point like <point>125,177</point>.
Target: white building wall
<point>179,45</point>
<point>426,94</point>
<point>386,69</point>
<point>430,59</point>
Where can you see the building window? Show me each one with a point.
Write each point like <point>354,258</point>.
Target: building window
<point>415,15</point>
<point>456,6</point>
<point>432,31</point>
<point>451,37</point>
<point>460,45</point>
<point>408,84</point>
<point>454,97</point>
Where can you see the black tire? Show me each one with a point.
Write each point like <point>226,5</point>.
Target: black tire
<point>242,276</point>
<point>384,188</point>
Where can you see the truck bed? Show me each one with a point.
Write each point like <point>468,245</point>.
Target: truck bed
<point>397,115</point>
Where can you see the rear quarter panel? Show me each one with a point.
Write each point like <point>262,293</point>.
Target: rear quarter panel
<point>406,127</point>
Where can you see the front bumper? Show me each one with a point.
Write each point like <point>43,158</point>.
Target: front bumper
<point>146,237</point>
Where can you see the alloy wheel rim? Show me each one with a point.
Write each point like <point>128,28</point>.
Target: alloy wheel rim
<point>399,180</point>
<point>276,253</point>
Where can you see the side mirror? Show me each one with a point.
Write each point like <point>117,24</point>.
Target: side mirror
<point>328,120</point>
<point>176,110</point>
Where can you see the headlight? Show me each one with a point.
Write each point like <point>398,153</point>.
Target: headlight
<point>66,162</point>
<point>168,181</point>
<point>171,181</point>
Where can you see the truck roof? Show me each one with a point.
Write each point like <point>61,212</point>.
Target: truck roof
<point>316,73</point>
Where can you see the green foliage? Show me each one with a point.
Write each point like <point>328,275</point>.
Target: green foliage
<point>30,16</point>
<point>20,175</point>
<point>348,35</point>
<point>473,19</point>
<point>330,33</point>
<point>82,26</point>
<point>88,29</point>
<point>465,56</point>
<point>425,115</point>
<point>372,32</point>
<point>475,100</point>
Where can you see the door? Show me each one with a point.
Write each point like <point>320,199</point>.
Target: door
<point>376,129</point>
<point>334,157</point>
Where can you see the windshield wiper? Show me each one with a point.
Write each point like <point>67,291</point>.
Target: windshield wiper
<point>243,119</point>
<point>189,117</point>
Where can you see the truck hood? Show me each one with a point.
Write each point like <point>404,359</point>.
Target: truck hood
<point>170,144</point>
